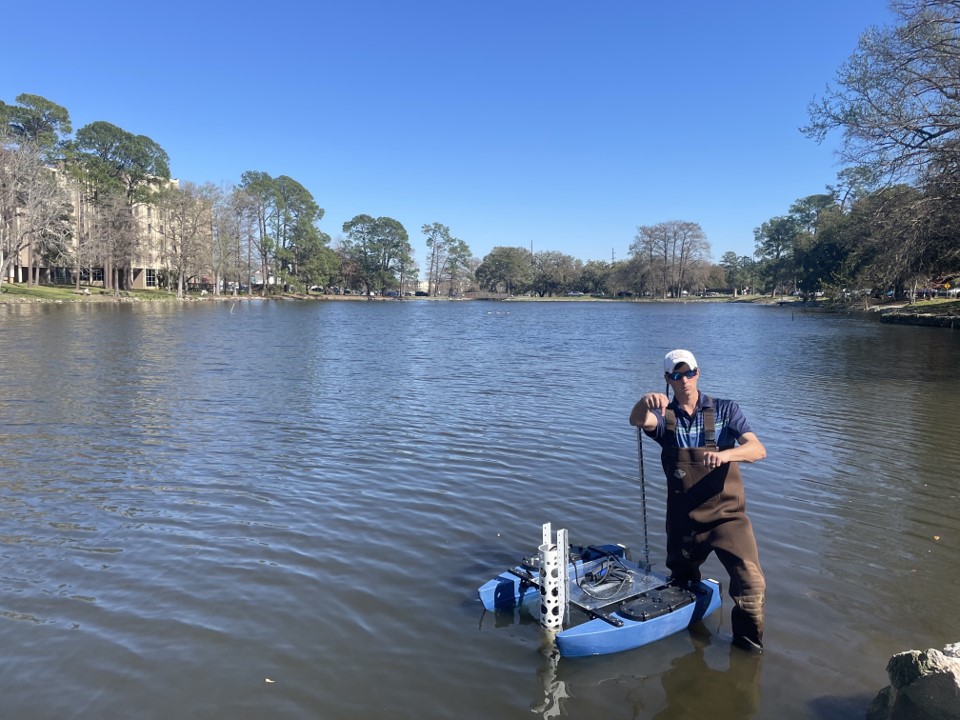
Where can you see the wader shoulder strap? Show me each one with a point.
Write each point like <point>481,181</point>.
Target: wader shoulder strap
<point>710,427</point>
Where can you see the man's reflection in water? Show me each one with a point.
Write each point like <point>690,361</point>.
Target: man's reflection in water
<point>694,689</point>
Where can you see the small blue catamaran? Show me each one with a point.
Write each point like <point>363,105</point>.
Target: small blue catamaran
<point>599,601</point>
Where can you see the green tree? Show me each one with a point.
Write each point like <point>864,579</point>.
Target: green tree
<point>555,273</point>
<point>438,241</point>
<point>38,121</point>
<point>506,269</point>
<point>814,257</point>
<point>295,216</point>
<point>595,277</point>
<point>716,278</point>
<point>112,159</point>
<point>457,267</point>
<point>449,259</point>
<point>731,265</point>
<point>633,277</point>
<point>380,250</point>
<point>107,162</point>
<point>259,189</point>
<point>314,262</point>
<point>738,272</point>
<point>775,241</point>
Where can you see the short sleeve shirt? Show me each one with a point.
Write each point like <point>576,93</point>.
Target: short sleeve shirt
<point>730,424</point>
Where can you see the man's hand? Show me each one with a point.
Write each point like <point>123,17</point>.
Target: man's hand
<point>641,415</point>
<point>655,401</point>
<point>713,459</point>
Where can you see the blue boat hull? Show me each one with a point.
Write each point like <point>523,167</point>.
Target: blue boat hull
<point>623,628</point>
<point>599,637</point>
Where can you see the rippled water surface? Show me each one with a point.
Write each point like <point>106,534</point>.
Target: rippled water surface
<point>284,510</point>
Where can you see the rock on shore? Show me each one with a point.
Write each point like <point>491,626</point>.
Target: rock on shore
<point>925,319</point>
<point>924,685</point>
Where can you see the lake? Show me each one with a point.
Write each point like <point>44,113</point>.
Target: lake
<point>281,509</point>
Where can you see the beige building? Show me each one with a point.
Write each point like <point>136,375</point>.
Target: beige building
<point>148,262</point>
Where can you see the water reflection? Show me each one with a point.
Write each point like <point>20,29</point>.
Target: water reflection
<point>549,705</point>
<point>712,674</point>
<point>694,688</point>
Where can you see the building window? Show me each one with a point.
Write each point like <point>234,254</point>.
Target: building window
<point>149,211</point>
<point>151,278</point>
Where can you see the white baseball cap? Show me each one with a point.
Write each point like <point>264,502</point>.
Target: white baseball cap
<point>675,357</point>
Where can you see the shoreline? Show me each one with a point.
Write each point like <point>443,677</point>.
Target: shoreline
<point>943,314</point>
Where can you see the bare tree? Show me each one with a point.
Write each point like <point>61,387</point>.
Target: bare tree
<point>438,242</point>
<point>896,101</point>
<point>673,248</point>
<point>897,98</point>
<point>34,208</point>
<point>114,233</point>
<point>223,245</point>
<point>187,228</point>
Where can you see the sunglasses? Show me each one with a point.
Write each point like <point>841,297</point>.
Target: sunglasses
<point>677,375</point>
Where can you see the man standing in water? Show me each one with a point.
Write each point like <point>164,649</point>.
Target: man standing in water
<point>703,441</point>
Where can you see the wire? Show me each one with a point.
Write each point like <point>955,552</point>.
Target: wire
<point>594,582</point>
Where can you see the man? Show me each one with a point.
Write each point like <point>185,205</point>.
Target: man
<point>703,441</point>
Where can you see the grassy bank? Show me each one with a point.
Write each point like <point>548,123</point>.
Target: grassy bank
<point>17,292</point>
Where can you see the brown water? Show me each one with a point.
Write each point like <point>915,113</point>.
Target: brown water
<point>284,510</point>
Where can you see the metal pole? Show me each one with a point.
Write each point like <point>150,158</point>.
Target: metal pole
<point>643,500</point>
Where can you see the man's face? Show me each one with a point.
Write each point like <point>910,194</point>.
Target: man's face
<point>679,380</point>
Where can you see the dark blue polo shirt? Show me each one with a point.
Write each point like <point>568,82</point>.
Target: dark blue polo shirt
<point>730,423</point>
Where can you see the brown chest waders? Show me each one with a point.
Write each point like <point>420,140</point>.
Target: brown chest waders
<point>706,513</point>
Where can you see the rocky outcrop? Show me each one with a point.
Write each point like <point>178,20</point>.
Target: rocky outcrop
<point>925,319</point>
<point>924,685</point>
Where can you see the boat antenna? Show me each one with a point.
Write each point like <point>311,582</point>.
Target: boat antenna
<point>643,500</point>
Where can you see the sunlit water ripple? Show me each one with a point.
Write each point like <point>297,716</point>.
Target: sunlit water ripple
<point>284,510</point>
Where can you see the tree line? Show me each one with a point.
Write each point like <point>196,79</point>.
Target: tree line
<point>99,203</point>
<point>889,223</point>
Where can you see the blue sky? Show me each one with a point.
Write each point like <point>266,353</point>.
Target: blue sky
<point>547,125</point>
